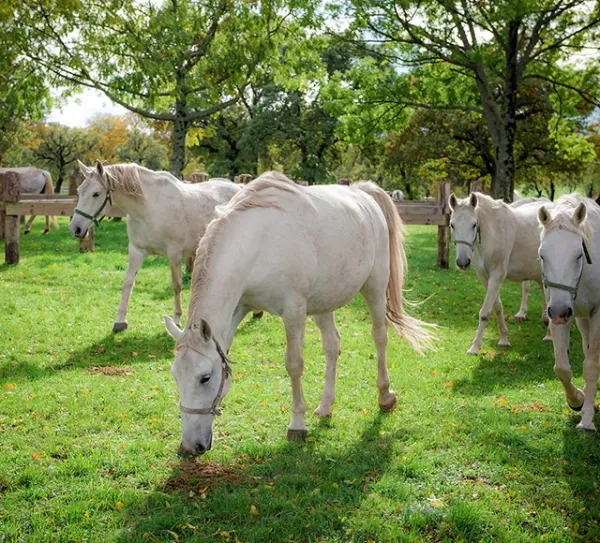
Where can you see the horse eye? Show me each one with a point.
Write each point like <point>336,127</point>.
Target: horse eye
<point>452,226</point>
<point>474,226</point>
<point>204,379</point>
<point>579,257</point>
<point>96,194</point>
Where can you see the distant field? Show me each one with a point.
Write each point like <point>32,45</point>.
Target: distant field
<point>479,448</point>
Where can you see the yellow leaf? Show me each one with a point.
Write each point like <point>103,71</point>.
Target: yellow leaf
<point>173,535</point>
<point>224,534</point>
<point>254,510</point>
<point>435,502</point>
<point>10,386</point>
<point>119,506</point>
<point>433,372</point>
<point>36,456</point>
<point>449,384</point>
<point>86,514</point>
<point>153,420</point>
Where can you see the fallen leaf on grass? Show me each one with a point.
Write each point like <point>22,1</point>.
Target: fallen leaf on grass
<point>109,370</point>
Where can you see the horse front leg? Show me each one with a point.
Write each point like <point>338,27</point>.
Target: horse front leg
<point>47,228</point>
<point>175,261</point>
<point>591,371</point>
<point>544,318</point>
<point>136,258</point>
<point>294,322</point>
<point>494,283</point>
<point>562,369</point>
<point>522,314</point>
<point>330,339</point>
<point>498,308</point>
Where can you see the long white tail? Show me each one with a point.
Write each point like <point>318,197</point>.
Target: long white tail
<point>415,331</point>
<point>49,189</point>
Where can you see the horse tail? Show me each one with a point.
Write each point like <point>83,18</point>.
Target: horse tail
<point>49,189</point>
<point>413,330</point>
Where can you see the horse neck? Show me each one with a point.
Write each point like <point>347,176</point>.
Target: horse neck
<point>216,299</point>
<point>493,220</point>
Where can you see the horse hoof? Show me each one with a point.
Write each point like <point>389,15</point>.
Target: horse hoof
<point>296,435</point>
<point>389,407</point>
<point>575,408</point>
<point>586,427</point>
<point>26,232</point>
<point>257,314</point>
<point>119,327</point>
<point>45,232</point>
<point>547,337</point>
<point>473,351</point>
<point>503,344</point>
<point>520,318</point>
<point>322,413</point>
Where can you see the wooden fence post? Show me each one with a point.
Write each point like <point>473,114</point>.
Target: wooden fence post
<point>476,186</point>
<point>443,259</point>
<point>243,178</point>
<point>11,192</point>
<point>87,244</point>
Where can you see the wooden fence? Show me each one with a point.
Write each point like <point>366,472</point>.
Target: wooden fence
<point>13,204</point>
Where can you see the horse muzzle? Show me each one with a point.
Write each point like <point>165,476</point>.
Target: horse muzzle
<point>463,266</point>
<point>198,449</point>
<point>560,317</point>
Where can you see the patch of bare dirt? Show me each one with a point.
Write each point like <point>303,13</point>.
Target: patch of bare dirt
<point>109,370</point>
<point>202,476</point>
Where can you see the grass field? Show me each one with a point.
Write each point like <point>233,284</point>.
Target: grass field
<point>479,448</point>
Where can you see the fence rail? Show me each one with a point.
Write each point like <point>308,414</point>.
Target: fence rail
<point>13,205</point>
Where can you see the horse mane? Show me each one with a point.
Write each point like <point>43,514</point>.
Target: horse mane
<point>562,216</point>
<point>124,178</point>
<point>253,195</point>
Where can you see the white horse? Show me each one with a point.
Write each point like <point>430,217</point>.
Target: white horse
<point>34,181</point>
<point>501,242</point>
<point>164,216</point>
<point>569,253</point>
<point>293,251</point>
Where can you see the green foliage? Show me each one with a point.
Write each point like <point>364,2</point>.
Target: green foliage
<point>479,449</point>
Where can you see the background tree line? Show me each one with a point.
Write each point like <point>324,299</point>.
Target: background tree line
<point>405,93</point>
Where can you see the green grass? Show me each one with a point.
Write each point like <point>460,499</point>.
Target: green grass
<point>479,449</point>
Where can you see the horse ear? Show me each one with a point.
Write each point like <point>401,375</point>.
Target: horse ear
<point>452,202</point>
<point>473,199</point>
<point>206,331</point>
<point>543,215</point>
<point>580,213</point>
<point>99,168</point>
<point>83,168</point>
<point>174,331</point>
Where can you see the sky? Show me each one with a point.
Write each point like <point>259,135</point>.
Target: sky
<point>80,108</point>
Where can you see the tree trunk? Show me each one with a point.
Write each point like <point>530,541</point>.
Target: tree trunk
<point>59,182</point>
<point>503,183</point>
<point>178,146</point>
<point>552,191</point>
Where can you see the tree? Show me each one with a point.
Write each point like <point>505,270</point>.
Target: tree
<point>23,92</point>
<point>175,61</point>
<point>60,149</point>
<point>474,56</point>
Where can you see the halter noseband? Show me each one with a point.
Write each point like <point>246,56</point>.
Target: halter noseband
<point>215,408</point>
<point>571,290</point>
<point>95,216</point>
<point>472,244</point>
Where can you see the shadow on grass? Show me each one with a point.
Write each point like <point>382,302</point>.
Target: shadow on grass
<point>112,350</point>
<point>290,492</point>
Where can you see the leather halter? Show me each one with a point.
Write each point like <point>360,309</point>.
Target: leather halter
<point>568,288</point>
<point>215,408</point>
<point>472,244</point>
<point>95,216</point>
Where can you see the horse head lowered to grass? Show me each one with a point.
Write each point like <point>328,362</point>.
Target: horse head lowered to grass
<point>293,251</point>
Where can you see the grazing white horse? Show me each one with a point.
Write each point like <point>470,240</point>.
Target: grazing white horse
<point>293,251</point>
<point>164,216</point>
<point>502,243</point>
<point>570,253</point>
<point>34,181</point>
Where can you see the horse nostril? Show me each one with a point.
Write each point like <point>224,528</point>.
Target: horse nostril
<point>78,231</point>
<point>569,312</point>
<point>200,449</point>
<point>549,312</point>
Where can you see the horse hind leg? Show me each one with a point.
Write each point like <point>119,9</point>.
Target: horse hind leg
<point>175,261</point>
<point>503,329</point>
<point>522,314</point>
<point>330,338</point>
<point>375,297</point>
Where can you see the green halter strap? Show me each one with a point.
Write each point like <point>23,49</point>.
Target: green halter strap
<point>95,216</point>
<point>471,245</point>
<point>569,288</point>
